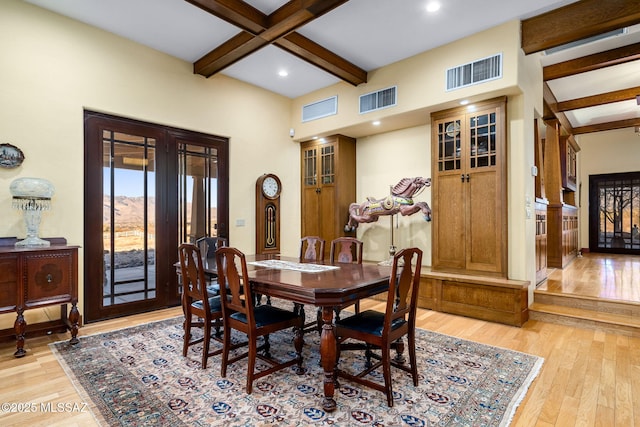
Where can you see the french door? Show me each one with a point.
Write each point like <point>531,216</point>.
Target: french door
<point>614,213</point>
<point>147,188</point>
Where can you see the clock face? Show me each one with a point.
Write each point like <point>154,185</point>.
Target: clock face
<point>270,187</point>
<point>453,129</point>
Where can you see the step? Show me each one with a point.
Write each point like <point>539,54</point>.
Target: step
<point>584,318</point>
<point>626,308</point>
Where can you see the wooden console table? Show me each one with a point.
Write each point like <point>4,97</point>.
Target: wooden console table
<point>38,277</point>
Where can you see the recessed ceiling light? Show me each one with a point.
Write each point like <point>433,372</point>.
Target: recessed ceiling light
<point>283,73</point>
<point>433,6</point>
<point>464,102</point>
<point>376,123</point>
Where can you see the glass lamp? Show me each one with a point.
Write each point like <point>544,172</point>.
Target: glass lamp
<point>32,196</point>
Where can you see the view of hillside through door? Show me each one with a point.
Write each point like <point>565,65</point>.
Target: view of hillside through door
<point>147,188</point>
<point>614,213</point>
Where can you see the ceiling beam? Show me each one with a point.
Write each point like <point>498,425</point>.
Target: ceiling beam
<point>577,21</point>
<point>607,126</point>
<point>593,62</point>
<point>551,102</point>
<point>600,99</point>
<point>235,12</point>
<point>277,28</point>
<point>313,53</point>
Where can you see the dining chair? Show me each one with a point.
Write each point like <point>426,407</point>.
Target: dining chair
<point>241,313</point>
<point>381,331</point>
<point>208,246</point>
<point>311,250</point>
<point>346,250</point>
<point>197,302</point>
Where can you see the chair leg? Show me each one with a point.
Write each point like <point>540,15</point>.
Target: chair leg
<point>386,373</point>
<point>266,347</point>
<point>226,344</point>
<point>186,326</point>
<point>412,358</point>
<point>367,354</point>
<point>205,344</point>
<point>251,364</point>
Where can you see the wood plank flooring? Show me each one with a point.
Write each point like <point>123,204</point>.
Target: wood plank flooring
<point>603,276</point>
<point>590,377</point>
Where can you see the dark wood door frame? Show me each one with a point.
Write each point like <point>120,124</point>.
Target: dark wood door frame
<point>167,139</point>
<point>628,242</point>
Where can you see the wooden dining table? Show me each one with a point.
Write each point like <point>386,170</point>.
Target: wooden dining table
<point>338,286</point>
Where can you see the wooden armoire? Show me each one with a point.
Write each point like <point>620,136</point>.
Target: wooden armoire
<point>469,195</point>
<point>328,186</point>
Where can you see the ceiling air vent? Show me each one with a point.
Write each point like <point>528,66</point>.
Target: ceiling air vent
<point>479,71</point>
<point>383,98</point>
<point>319,109</point>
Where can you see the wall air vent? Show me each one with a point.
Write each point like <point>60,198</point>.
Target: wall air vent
<point>378,100</point>
<point>319,109</point>
<point>475,72</point>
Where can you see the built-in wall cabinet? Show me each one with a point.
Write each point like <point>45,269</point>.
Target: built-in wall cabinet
<point>541,202</point>
<point>560,185</point>
<point>469,189</point>
<point>328,186</point>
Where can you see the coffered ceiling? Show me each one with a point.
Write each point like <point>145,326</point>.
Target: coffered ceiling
<point>317,43</point>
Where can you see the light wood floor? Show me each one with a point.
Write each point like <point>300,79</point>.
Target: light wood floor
<point>589,378</point>
<point>605,276</point>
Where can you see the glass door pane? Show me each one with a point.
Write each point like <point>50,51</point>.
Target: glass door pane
<point>129,227</point>
<point>197,192</point>
<point>615,213</point>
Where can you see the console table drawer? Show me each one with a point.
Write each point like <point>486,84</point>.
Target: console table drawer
<point>49,278</point>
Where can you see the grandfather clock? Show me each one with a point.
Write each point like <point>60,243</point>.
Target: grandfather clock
<point>268,188</point>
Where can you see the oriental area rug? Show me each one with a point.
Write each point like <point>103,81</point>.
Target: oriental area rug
<point>138,377</point>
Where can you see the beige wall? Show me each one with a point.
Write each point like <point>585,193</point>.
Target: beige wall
<point>421,84</point>
<point>381,157</point>
<point>53,67</point>
<point>603,152</point>
<point>382,161</point>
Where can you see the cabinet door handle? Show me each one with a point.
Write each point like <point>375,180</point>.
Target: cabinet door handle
<point>462,177</point>
<point>49,278</point>
<point>467,177</point>
<point>318,190</point>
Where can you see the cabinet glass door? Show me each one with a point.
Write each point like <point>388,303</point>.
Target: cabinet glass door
<point>449,145</point>
<point>309,162</point>
<point>328,164</point>
<point>482,140</point>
